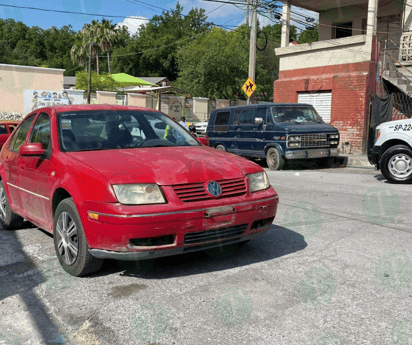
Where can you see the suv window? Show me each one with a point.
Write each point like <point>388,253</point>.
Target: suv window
<point>222,118</point>
<point>262,113</point>
<point>41,131</point>
<point>222,121</point>
<point>20,136</point>
<point>243,117</point>
<point>3,129</point>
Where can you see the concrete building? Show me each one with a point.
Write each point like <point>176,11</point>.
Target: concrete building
<point>358,40</point>
<point>15,79</point>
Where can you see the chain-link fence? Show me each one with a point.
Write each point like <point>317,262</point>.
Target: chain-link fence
<point>402,106</point>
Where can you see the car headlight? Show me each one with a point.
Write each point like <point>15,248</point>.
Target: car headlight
<point>293,144</point>
<point>258,181</point>
<point>334,136</point>
<point>295,138</point>
<point>139,194</point>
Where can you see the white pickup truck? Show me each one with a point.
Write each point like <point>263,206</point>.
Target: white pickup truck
<point>392,151</point>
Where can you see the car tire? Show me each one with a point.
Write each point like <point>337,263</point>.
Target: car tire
<point>396,164</point>
<point>325,162</point>
<point>220,147</point>
<point>274,159</point>
<point>70,242</point>
<point>8,219</point>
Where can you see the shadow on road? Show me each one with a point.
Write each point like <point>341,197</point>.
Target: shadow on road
<point>19,276</point>
<point>277,242</point>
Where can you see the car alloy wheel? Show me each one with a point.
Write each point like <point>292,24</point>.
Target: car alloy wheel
<point>400,165</point>
<point>67,241</point>
<point>3,204</point>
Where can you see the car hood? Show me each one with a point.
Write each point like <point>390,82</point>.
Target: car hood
<point>312,127</point>
<point>166,165</point>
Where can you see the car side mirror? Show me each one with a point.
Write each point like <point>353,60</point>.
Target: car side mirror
<point>258,120</point>
<point>33,149</point>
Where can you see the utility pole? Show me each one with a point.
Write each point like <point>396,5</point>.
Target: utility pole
<point>108,62</point>
<point>247,12</point>
<point>252,51</point>
<point>90,73</point>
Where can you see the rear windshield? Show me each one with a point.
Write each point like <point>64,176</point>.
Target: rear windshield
<point>295,114</point>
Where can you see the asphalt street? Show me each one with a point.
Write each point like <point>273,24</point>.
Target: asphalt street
<point>335,268</point>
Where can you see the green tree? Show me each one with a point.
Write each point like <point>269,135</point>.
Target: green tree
<point>159,41</point>
<point>101,82</point>
<point>214,65</point>
<point>102,34</point>
<point>309,35</point>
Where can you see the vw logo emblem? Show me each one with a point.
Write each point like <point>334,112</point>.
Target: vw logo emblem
<point>214,188</point>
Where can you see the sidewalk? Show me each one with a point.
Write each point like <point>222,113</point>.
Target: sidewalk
<point>354,161</point>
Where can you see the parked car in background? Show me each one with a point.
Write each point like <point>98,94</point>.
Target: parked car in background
<point>6,128</point>
<point>277,132</point>
<point>106,184</point>
<point>201,127</point>
<point>392,150</point>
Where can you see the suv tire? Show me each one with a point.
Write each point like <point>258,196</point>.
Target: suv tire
<point>220,148</point>
<point>396,164</point>
<point>274,159</point>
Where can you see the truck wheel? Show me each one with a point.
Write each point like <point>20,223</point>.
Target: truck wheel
<point>8,219</point>
<point>220,147</point>
<point>324,162</point>
<point>70,242</point>
<point>396,164</point>
<point>274,159</point>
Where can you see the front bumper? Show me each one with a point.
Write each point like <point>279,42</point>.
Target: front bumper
<point>153,254</point>
<point>312,153</point>
<point>374,156</point>
<point>112,234</point>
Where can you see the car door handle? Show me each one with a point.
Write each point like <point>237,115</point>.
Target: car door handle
<point>21,166</point>
<point>238,129</point>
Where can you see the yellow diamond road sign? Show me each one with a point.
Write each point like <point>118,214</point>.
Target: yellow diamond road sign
<point>249,87</point>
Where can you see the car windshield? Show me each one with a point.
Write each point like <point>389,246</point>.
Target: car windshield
<point>300,114</point>
<point>114,129</point>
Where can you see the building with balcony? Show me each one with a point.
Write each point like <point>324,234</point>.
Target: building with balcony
<point>357,55</point>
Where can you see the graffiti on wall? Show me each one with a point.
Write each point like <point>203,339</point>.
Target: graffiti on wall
<point>34,99</point>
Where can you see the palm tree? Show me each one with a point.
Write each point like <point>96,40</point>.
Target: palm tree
<point>101,34</point>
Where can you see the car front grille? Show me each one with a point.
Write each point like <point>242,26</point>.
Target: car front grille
<point>198,191</point>
<point>314,140</point>
<point>212,235</point>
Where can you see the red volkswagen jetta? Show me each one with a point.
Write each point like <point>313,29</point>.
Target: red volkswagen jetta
<point>127,183</point>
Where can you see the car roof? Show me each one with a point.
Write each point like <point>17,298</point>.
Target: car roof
<point>91,107</point>
<point>263,104</point>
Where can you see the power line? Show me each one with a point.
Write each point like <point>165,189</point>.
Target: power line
<point>71,12</point>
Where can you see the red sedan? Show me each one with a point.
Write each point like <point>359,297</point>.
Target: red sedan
<point>6,128</point>
<point>108,184</point>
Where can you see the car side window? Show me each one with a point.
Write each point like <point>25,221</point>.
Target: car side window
<point>246,117</point>
<point>3,129</point>
<point>12,127</point>
<point>41,131</point>
<point>20,136</point>
<point>262,113</point>
<point>222,121</point>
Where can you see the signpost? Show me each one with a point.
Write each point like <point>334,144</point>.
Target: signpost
<point>249,87</point>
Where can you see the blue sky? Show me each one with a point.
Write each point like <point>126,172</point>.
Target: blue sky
<point>140,9</point>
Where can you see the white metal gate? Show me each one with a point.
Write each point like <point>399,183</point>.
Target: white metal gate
<point>321,101</point>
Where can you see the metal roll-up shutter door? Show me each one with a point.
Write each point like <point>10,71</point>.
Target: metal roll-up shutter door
<point>321,101</point>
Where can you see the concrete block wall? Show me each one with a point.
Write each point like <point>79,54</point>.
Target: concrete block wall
<point>106,97</point>
<point>351,87</point>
